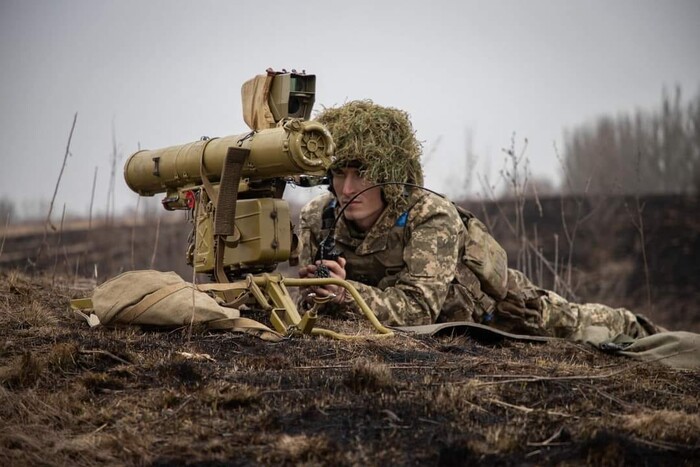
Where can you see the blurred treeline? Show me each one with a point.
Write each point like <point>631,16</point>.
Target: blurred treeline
<point>651,151</point>
<point>647,152</point>
<point>7,210</point>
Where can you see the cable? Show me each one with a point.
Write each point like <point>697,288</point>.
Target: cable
<point>412,185</point>
<point>327,245</point>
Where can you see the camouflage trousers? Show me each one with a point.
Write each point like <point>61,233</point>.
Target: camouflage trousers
<point>586,321</point>
<point>531,310</point>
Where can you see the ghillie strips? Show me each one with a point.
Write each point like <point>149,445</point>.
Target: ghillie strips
<point>381,140</point>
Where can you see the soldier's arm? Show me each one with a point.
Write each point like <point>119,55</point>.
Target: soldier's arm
<point>310,228</point>
<point>308,234</point>
<point>430,259</point>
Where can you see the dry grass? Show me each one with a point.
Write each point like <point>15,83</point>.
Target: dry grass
<point>369,376</point>
<point>70,395</point>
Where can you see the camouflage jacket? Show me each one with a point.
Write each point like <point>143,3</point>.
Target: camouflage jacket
<point>411,269</point>
<point>407,267</point>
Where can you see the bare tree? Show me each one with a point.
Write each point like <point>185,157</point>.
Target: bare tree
<point>603,155</point>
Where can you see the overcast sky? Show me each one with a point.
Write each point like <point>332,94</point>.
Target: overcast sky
<point>167,72</point>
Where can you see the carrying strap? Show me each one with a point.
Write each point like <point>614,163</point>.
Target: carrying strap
<point>80,306</point>
<point>247,325</point>
<point>208,187</point>
<point>237,323</point>
<point>225,213</point>
<point>130,314</point>
<point>235,293</point>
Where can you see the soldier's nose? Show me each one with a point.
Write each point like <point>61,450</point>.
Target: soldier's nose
<point>348,187</point>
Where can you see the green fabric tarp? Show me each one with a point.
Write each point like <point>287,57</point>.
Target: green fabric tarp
<point>676,349</point>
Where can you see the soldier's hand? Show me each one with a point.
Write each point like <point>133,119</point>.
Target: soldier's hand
<point>336,270</point>
<point>307,271</point>
<point>514,314</point>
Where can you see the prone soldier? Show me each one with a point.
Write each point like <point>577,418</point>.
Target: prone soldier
<point>412,254</point>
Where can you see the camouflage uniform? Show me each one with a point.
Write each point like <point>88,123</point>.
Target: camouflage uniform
<point>401,267</point>
<point>415,265</point>
<point>409,270</point>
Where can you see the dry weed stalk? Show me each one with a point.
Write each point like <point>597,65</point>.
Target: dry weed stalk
<point>58,244</point>
<point>527,248</point>
<point>491,193</point>
<point>462,179</point>
<point>539,268</point>
<point>114,157</point>
<point>518,186</point>
<point>89,229</point>
<point>47,223</point>
<point>639,225</point>
<point>133,231</point>
<point>155,244</point>
<point>4,233</point>
<point>77,270</point>
<point>92,201</point>
<point>555,279</point>
<point>637,220</point>
<point>194,290</point>
<point>570,234</point>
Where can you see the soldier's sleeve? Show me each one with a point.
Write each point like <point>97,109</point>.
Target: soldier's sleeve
<point>309,233</point>
<point>310,228</point>
<point>430,258</point>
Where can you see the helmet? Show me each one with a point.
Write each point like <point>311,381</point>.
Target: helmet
<point>380,141</point>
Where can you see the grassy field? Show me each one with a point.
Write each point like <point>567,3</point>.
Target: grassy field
<point>71,395</point>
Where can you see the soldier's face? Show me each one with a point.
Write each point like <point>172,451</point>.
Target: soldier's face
<point>366,208</point>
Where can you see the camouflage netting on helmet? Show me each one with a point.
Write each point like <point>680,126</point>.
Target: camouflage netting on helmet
<point>380,139</point>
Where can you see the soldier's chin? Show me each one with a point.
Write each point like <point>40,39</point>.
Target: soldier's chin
<point>352,213</point>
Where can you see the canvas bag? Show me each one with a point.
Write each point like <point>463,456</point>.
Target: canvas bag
<point>161,299</point>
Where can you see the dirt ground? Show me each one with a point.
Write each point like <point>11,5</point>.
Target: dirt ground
<point>71,395</point>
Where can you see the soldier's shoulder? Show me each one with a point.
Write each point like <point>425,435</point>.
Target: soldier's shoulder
<point>314,208</point>
<point>433,205</point>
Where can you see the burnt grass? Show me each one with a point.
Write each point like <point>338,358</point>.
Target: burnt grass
<point>71,395</point>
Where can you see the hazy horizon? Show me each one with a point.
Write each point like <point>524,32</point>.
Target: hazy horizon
<point>160,73</point>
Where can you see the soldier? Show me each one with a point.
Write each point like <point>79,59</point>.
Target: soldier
<point>411,254</point>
